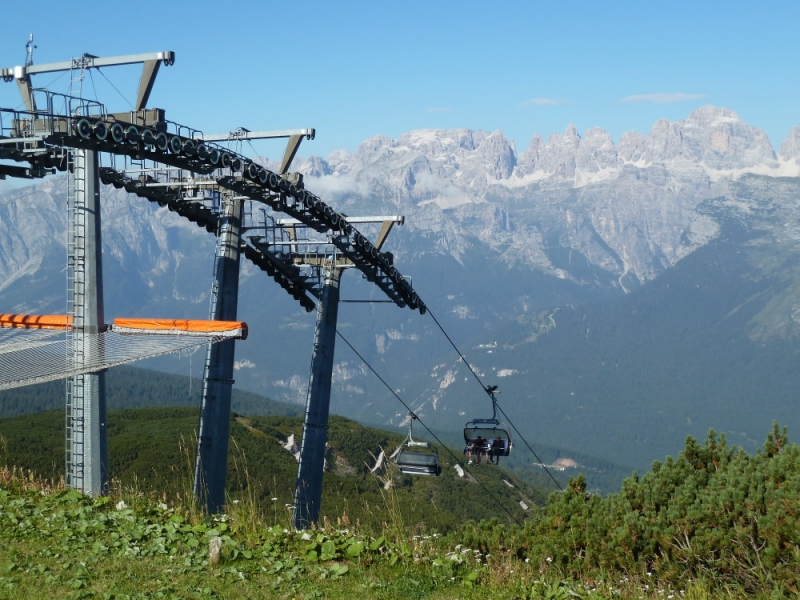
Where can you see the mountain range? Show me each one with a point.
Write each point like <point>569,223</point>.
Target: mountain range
<point>670,256</point>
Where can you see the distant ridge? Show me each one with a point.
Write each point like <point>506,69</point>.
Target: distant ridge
<point>133,387</point>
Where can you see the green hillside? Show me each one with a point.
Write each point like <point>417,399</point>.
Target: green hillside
<point>132,387</point>
<point>152,450</point>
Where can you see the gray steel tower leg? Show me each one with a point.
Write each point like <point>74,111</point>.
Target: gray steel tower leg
<point>215,415</point>
<point>308,492</point>
<point>87,434</point>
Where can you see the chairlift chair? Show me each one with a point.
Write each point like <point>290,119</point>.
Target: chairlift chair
<point>489,430</point>
<point>417,458</point>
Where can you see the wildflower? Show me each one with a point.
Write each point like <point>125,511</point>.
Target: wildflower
<point>236,501</point>
<point>121,505</point>
<point>549,559</point>
<point>274,499</point>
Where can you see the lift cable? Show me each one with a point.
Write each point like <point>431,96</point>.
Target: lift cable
<point>455,458</point>
<point>115,87</point>
<point>486,389</point>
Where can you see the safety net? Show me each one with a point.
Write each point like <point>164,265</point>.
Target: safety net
<point>34,354</point>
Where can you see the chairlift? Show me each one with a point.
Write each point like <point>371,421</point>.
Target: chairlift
<point>417,458</point>
<point>488,436</point>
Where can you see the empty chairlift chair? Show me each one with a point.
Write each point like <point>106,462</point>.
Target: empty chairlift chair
<point>417,458</point>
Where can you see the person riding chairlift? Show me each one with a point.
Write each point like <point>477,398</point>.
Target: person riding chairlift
<point>496,450</point>
<point>477,446</point>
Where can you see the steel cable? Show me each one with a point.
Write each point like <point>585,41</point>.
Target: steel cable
<point>485,389</point>
<point>455,458</point>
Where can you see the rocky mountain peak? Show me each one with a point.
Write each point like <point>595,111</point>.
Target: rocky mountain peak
<point>713,137</point>
<point>710,116</point>
<point>790,148</point>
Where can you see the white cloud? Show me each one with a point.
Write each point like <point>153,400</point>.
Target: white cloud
<point>442,193</point>
<point>440,109</point>
<point>663,98</point>
<point>336,186</point>
<point>541,102</point>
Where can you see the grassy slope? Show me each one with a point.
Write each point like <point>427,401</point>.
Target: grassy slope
<point>152,449</point>
<point>59,544</point>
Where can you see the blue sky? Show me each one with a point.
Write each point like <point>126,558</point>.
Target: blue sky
<point>357,69</point>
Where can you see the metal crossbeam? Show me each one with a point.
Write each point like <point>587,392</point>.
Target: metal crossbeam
<point>295,137</point>
<point>245,134</point>
<point>87,61</point>
<point>152,61</point>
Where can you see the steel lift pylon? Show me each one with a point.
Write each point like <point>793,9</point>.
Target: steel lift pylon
<point>86,418</point>
<point>47,137</point>
<point>310,471</point>
<point>215,414</point>
<point>211,465</point>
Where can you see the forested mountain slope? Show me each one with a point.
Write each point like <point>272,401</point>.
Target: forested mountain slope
<point>710,343</point>
<point>152,450</point>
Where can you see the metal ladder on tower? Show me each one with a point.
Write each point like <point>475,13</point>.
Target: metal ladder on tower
<point>76,263</point>
<point>76,267</point>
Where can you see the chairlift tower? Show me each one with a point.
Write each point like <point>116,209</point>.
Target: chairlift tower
<point>215,414</point>
<point>327,264</point>
<point>211,465</point>
<point>47,136</point>
<point>86,427</point>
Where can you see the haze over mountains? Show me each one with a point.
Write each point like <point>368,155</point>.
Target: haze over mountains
<point>623,295</point>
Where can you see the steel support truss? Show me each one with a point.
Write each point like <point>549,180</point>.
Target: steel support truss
<point>188,171</point>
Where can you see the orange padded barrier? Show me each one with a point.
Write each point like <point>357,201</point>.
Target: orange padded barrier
<point>35,321</point>
<point>192,326</point>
